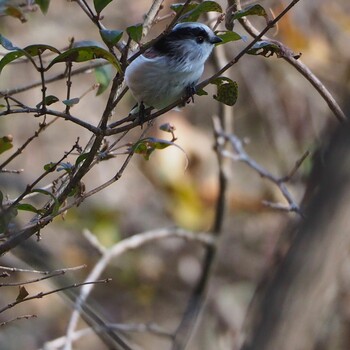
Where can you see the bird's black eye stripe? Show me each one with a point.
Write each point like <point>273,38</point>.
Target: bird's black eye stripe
<point>188,33</point>
<point>164,45</point>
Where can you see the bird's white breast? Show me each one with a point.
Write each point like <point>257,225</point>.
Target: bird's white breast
<point>159,81</point>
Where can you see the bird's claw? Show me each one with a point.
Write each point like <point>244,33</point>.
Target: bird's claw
<point>190,92</point>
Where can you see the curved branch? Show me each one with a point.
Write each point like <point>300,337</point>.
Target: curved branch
<point>124,246</point>
<point>95,130</point>
<point>287,54</point>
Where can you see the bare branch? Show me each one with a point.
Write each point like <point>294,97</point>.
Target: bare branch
<point>188,321</point>
<point>44,294</point>
<point>299,297</point>
<point>41,128</point>
<point>11,171</point>
<point>81,333</point>
<point>30,187</point>
<point>57,77</point>
<point>65,116</point>
<point>47,276</point>
<point>151,16</point>
<point>270,25</point>
<point>287,54</point>
<point>122,247</point>
<point>27,317</point>
<point>241,155</point>
<point>16,269</point>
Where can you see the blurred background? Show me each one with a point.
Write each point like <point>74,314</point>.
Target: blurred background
<point>279,115</point>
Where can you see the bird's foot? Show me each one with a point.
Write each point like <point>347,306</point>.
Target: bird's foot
<point>190,92</point>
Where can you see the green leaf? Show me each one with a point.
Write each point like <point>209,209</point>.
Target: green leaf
<point>44,5</point>
<point>103,77</point>
<point>167,127</point>
<point>265,48</point>
<point>29,51</point>
<point>47,193</point>
<point>50,166</point>
<point>71,102</point>
<point>193,13</point>
<point>28,207</point>
<point>251,10</point>
<point>135,32</point>
<point>7,43</point>
<point>228,36</point>
<point>147,146</point>
<point>85,53</point>
<point>227,90</point>
<point>6,219</point>
<point>111,37</point>
<point>201,92</point>
<point>49,100</point>
<point>11,56</point>
<point>178,7</point>
<point>86,43</point>
<point>14,11</point>
<point>36,49</point>
<point>78,190</point>
<point>81,158</point>
<point>6,143</point>
<point>101,4</point>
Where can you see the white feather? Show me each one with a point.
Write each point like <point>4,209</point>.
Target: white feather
<point>159,81</point>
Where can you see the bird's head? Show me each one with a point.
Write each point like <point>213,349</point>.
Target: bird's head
<point>188,41</point>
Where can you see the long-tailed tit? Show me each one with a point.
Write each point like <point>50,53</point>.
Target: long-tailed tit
<point>172,66</point>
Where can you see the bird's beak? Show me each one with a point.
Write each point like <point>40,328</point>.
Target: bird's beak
<point>215,39</point>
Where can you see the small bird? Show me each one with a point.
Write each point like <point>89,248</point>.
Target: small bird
<point>172,67</point>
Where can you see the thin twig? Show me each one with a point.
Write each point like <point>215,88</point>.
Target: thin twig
<point>11,171</point>
<point>195,302</point>
<point>82,333</point>
<point>17,269</point>
<point>151,16</point>
<point>43,86</point>
<point>47,276</point>
<point>57,77</point>
<point>62,115</point>
<point>85,7</point>
<point>241,155</point>
<point>69,85</point>
<point>270,25</point>
<point>42,127</point>
<point>30,187</point>
<point>44,294</point>
<point>27,317</point>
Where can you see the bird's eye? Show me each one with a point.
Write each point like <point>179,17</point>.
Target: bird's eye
<point>200,39</point>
